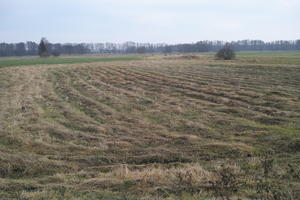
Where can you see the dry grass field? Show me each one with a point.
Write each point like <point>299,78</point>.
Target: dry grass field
<point>163,127</point>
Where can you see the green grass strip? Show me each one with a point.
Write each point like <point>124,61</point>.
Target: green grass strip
<point>52,61</point>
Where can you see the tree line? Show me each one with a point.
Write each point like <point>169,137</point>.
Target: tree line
<point>32,48</point>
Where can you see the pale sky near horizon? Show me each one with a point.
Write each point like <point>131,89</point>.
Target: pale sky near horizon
<point>169,21</point>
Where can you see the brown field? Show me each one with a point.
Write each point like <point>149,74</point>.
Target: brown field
<point>165,127</point>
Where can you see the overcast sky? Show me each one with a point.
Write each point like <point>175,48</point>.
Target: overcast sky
<point>170,21</point>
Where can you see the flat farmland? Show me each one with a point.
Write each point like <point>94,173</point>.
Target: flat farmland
<point>157,127</point>
<point>25,61</point>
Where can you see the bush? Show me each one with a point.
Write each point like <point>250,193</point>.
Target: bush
<point>226,53</point>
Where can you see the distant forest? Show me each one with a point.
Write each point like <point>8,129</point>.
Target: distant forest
<point>31,48</point>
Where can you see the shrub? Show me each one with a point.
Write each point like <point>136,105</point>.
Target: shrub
<point>226,53</point>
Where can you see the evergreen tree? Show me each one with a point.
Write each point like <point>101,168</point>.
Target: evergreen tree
<point>43,50</point>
